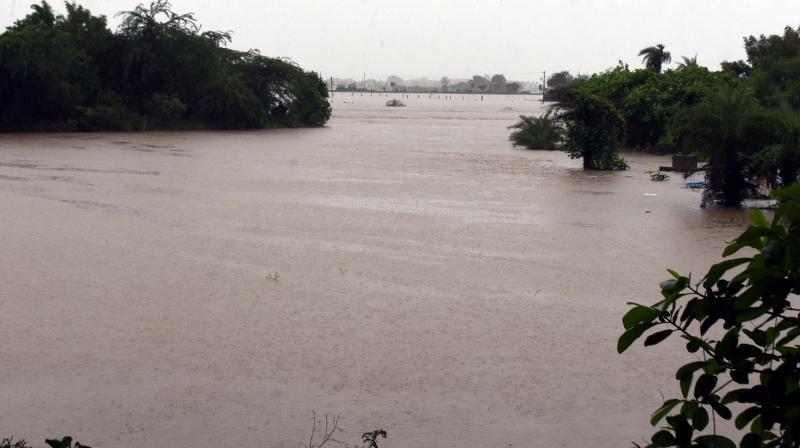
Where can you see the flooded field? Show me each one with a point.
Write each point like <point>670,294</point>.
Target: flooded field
<point>403,267</point>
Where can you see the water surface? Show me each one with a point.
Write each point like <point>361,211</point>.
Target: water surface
<point>404,267</point>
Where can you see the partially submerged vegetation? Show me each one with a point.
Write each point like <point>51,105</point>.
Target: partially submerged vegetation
<point>743,120</point>
<point>658,176</point>
<point>536,132</point>
<point>159,70</point>
<point>325,432</point>
<point>65,442</point>
<point>582,124</point>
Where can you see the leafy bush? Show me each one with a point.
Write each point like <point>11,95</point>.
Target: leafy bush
<point>395,103</point>
<point>742,331</point>
<point>543,132</point>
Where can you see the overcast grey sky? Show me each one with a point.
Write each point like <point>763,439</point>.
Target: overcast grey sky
<point>434,38</point>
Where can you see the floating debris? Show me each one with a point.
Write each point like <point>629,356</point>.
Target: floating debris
<point>658,176</point>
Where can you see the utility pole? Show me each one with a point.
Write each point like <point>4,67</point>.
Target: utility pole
<point>544,84</point>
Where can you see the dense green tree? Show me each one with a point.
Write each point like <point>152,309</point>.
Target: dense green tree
<point>497,84</point>
<point>744,119</point>
<point>593,129</point>
<point>479,83</point>
<point>739,69</point>
<point>766,50</point>
<point>158,71</point>
<point>774,63</point>
<point>560,79</point>
<point>655,57</point>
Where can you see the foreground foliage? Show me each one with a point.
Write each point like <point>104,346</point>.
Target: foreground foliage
<point>741,322</point>
<point>158,71</point>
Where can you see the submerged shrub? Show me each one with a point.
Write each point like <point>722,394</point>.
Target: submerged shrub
<point>658,176</point>
<point>395,103</point>
<point>741,327</point>
<point>542,132</point>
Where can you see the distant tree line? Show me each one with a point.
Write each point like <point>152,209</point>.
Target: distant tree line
<point>743,119</point>
<point>159,70</point>
<point>497,84</point>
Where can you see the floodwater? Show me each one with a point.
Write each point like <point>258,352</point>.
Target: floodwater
<point>403,267</point>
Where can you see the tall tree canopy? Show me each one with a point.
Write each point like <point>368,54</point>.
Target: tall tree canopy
<point>158,71</point>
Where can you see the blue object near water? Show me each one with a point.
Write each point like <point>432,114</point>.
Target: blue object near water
<point>698,184</point>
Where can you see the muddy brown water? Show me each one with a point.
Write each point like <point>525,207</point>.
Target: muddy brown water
<point>403,267</point>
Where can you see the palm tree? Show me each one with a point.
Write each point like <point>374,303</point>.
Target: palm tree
<point>655,57</point>
<point>688,62</point>
<point>543,132</point>
<point>729,127</point>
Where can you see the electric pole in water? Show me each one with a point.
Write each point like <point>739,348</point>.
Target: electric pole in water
<point>544,84</point>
